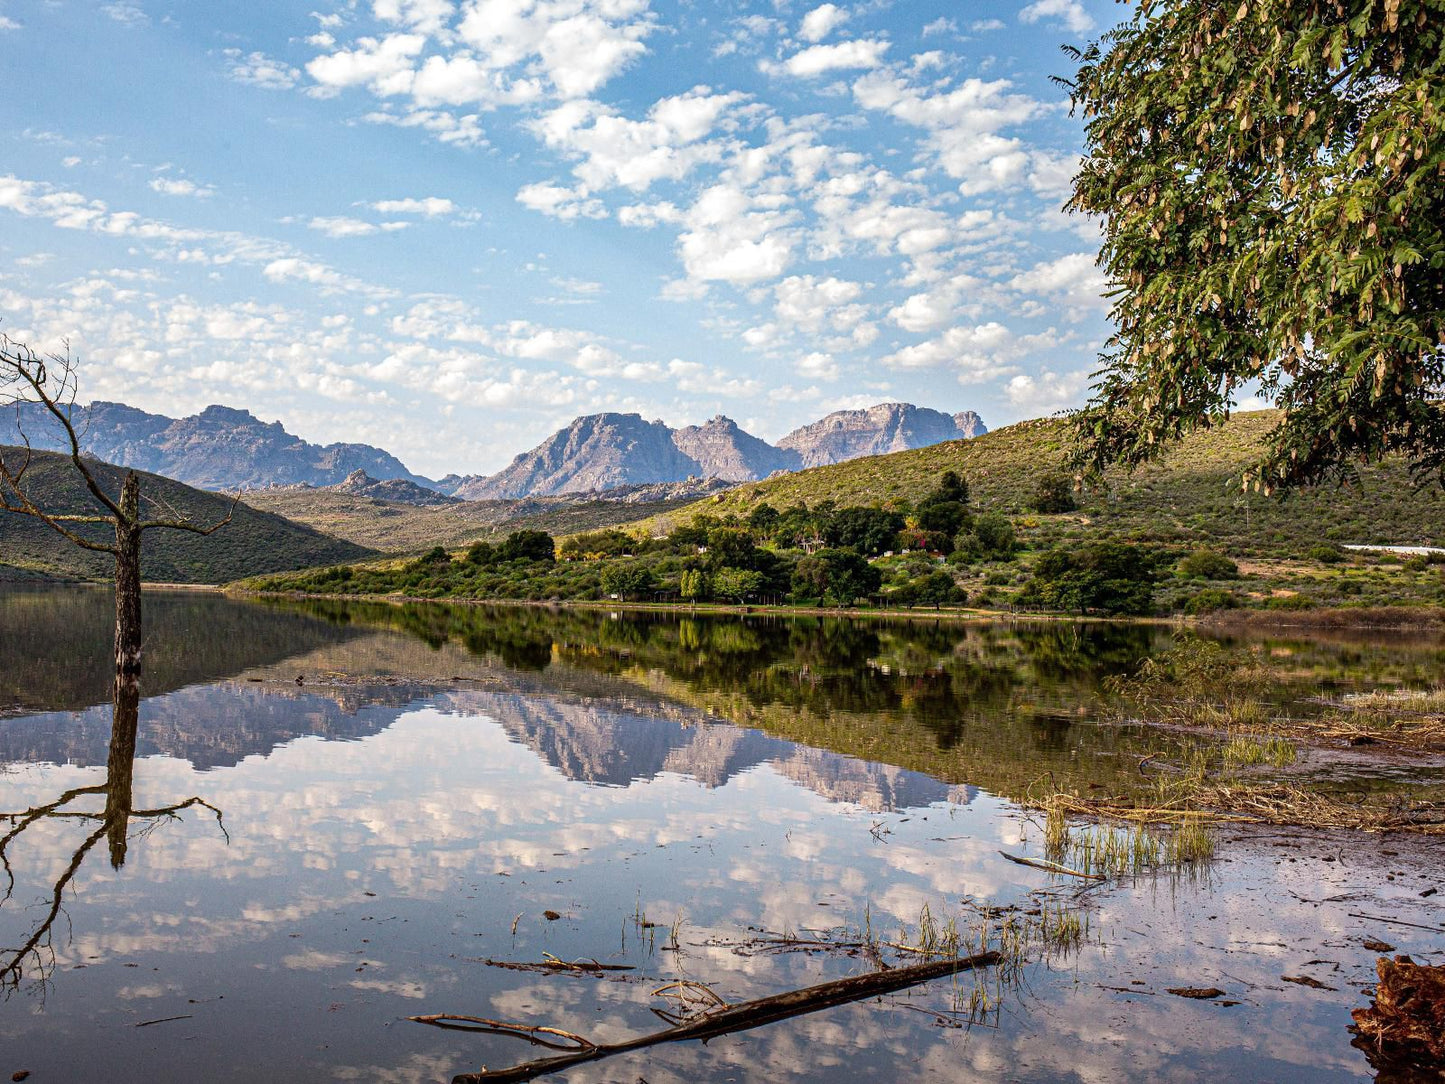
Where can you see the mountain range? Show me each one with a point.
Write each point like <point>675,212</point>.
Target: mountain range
<point>228,449</point>
<point>604,451</point>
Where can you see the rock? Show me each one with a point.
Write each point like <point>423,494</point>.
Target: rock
<point>399,490</point>
<point>878,430</point>
<point>1198,992</point>
<point>722,450</point>
<point>598,451</point>
<point>551,916</point>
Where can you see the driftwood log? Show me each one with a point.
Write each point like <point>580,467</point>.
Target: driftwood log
<point>1407,1021</point>
<point>709,1025</point>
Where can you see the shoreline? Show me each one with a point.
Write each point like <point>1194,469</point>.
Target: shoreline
<point>1377,618</point>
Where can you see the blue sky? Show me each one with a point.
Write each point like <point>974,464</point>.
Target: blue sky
<point>447,227</point>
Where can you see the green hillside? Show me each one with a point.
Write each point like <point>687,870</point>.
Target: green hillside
<point>404,528</point>
<point>1190,496</point>
<point>252,543</point>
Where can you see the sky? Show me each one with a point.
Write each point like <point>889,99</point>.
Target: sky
<point>448,227</point>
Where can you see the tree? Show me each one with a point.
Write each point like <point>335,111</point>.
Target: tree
<point>628,579</point>
<point>936,589</point>
<point>1104,577</point>
<point>1054,494</point>
<point>1269,179</point>
<point>870,531</point>
<point>737,583</point>
<point>528,546</point>
<point>50,382</point>
<point>839,576</point>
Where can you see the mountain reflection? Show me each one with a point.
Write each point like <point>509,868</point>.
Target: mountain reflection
<point>33,955</point>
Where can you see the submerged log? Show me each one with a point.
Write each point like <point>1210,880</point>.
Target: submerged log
<point>709,1025</point>
<point>1407,1021</point>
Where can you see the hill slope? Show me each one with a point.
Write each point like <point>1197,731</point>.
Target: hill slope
<point>1191,495</point>
<point>254,542</point>
<point>219,448</point>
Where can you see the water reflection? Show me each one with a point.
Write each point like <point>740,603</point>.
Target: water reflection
<point>32,958</point>
<point>442,779</point>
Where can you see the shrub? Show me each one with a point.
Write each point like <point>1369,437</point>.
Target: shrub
<point>1054,494</point>
<point>1208,565</point>
<point>1326,553</point>
<point>1209,600</point>
<point>995,536</point>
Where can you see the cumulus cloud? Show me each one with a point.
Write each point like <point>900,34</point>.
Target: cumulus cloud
<point>1048,392</point>
<point>962,125</point>
<point>1075,279</point>
<point>729,238</point>
<point>559,201</point>
<point>430,206</point>
<point>822,21</point>
<point>841,56</point>
<point>1069,14</point>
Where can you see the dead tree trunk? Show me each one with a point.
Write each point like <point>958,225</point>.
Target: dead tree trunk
<point>127,581</point>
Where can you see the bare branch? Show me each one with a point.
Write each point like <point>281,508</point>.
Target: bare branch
<point>187,525</point>
<point>22,365</point>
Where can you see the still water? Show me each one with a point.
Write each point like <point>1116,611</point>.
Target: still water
<point>390,797</point>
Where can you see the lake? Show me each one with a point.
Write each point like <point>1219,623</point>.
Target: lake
<point>393,800</point>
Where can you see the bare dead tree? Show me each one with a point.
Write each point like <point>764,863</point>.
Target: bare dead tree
<point>50,382</point>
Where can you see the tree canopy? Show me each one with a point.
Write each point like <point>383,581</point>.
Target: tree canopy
<point>1270,177</point>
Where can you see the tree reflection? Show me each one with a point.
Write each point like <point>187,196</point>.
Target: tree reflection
<point>35,957</point>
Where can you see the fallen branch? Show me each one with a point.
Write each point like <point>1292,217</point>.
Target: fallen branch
<point>1051,867</point>
<point>723,1021</point>
<point>551,964</point>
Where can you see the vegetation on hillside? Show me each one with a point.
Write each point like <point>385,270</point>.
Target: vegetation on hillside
<point>393,527</point>
<point>251,544</point>
<point>961,524</point>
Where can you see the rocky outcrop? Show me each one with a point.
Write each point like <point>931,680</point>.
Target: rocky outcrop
<point>722,450</point>
<point>611,452</point>
<point>599,451</point>
<point>398,490</point>
<point>878,430</point>
<point>219,448</point>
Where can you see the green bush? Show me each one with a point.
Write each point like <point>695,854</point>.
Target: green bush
<point>1209,600</point>
<point>1208,565</point>
<point>1326,553</point>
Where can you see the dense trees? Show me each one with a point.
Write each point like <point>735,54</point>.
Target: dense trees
<point>1269,179</point>
<point>1103,577</point>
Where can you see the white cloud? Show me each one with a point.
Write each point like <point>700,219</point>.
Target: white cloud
<point>1067,13</point>
<point>817,366</point>
<point>449,128</point>
<point>179,186</point>
<point>8,24</point>
<point>1075,279</point>
<point>962,125</point>
<point>430,206</point>
<point>616,151</point>
<point>558,201</point>
<point>941,25</point>
<point>259,70</point>
<point>382,64</point>
<point>729,239</point>
<point>126,14</point>
<point>1047,393</point>
<point>822,21</point>
<point>976,354</point>
<point>820,59</point>
<point>983,26</point>
<point>341,226</point>
<point>424,16</point>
